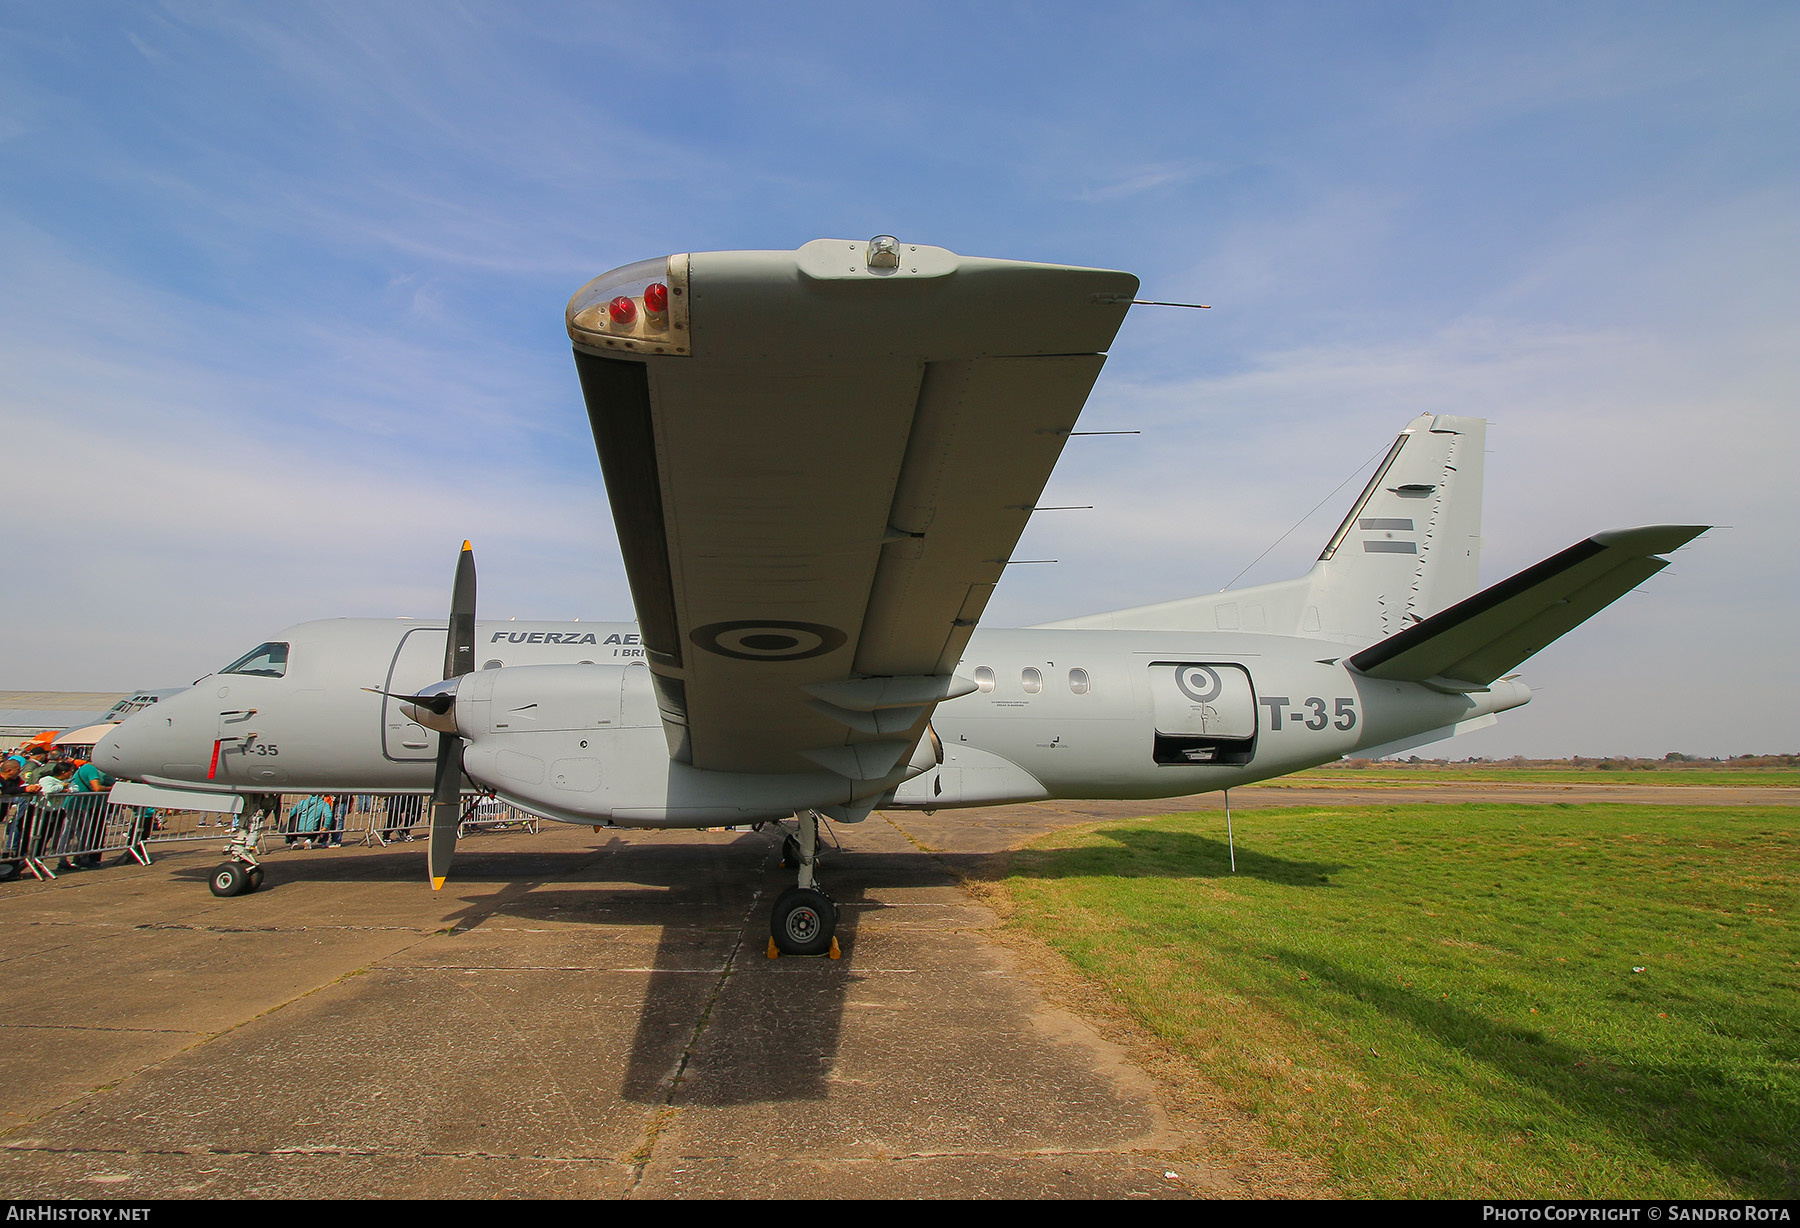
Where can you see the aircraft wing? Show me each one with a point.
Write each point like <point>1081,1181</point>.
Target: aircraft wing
<point>819,462</point>
<point>1482,637</point>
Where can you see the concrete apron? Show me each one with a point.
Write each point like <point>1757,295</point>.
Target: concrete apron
<point>563,1020</point>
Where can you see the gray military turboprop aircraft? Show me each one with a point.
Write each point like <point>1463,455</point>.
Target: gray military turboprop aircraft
<point>819,462</point>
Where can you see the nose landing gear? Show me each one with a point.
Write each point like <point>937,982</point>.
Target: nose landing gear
<point>804,919</point>
<point>243,874</point>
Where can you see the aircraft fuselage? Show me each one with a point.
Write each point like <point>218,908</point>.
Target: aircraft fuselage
<point>568,724</point>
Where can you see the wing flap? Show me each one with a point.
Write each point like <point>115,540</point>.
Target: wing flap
<point>1485,636</point>
<point>984,440</point>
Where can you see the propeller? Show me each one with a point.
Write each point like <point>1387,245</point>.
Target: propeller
<point>459,659</point>
<point>437,699</point>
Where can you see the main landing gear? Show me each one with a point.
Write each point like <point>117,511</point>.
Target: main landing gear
<point>804,920</point>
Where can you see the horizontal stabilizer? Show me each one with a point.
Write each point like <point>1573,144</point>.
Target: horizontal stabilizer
<point>1483,637</point>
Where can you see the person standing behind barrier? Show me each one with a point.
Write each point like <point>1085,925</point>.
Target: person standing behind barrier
<point>18,830</point>
<point>305,819</point>
<point>36,761</point>
<point>390,821</point>
<point>340,805</point>
<point>53,820</point>
<point>87,812</point>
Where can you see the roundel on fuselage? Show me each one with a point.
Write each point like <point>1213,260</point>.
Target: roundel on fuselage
<point>1200,683</point>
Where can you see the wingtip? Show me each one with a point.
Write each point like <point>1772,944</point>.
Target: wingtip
<point>1651,538</point>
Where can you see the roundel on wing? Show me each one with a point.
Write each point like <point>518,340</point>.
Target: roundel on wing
<point>762,640</point>
<point>1199,683</point>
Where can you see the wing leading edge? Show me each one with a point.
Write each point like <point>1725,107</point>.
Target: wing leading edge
<point>819,464</point>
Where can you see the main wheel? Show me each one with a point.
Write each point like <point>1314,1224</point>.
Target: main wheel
<point>803,921</point>
<point>231,878</point>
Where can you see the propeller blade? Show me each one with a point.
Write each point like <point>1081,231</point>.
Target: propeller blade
<point>439,703</point>
<point>446,806</point>
<point>459,649</point>
<point>459,659</point>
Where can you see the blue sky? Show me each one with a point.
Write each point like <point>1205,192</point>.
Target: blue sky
<point>282,319</point>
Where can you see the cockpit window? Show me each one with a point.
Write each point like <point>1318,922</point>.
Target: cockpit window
<point>265,661</point>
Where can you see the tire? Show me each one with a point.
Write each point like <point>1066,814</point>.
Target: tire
<point>230,879</point>
<point>256,879</point>
<point>803,922</point>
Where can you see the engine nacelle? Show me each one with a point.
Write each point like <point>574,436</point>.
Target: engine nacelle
<point>584,743</point>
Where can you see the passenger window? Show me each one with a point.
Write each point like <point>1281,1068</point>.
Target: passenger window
<point>1078,681</point>
<point>1032,680</point>
<point>265,661</point>
<point>984,679</point>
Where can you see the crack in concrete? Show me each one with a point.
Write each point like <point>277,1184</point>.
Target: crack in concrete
<point>345,1152</point>
<point>286,929</point>
<point>96,1027</point>
<point>714,971</point>
<point>665,1115</point>
<point>924,1156</point>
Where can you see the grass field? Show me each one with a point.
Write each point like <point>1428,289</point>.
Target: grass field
<point>1480,1000</point>
<point>1389,776</point>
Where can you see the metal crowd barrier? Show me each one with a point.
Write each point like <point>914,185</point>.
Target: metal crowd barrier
<point>42,835</point>
<point>490,814</point>
<point>68,828</point>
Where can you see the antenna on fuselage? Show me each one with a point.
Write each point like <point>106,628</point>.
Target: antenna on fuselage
<point>1230,842</point>
<point>1315,507</point>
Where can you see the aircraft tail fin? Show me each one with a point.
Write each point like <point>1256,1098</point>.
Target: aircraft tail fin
<point>1411,544</point>
<point>1475,641</point>
<point>1410,547</point>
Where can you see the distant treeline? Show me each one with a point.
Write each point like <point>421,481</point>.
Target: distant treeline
<point>1673,761</point>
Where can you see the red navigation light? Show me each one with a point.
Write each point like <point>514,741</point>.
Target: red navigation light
<point>656,298</point>
<point>623,311</point>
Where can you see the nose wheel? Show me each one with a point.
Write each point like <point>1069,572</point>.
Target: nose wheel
<point>804,919</point>
<point>235,878</point>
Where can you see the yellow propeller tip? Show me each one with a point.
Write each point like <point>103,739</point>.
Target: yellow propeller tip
<point>466,545</point>
<point>437,884</point>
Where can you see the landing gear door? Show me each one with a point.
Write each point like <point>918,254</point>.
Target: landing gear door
<point>1205,713</point>
<point>418,662</point>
